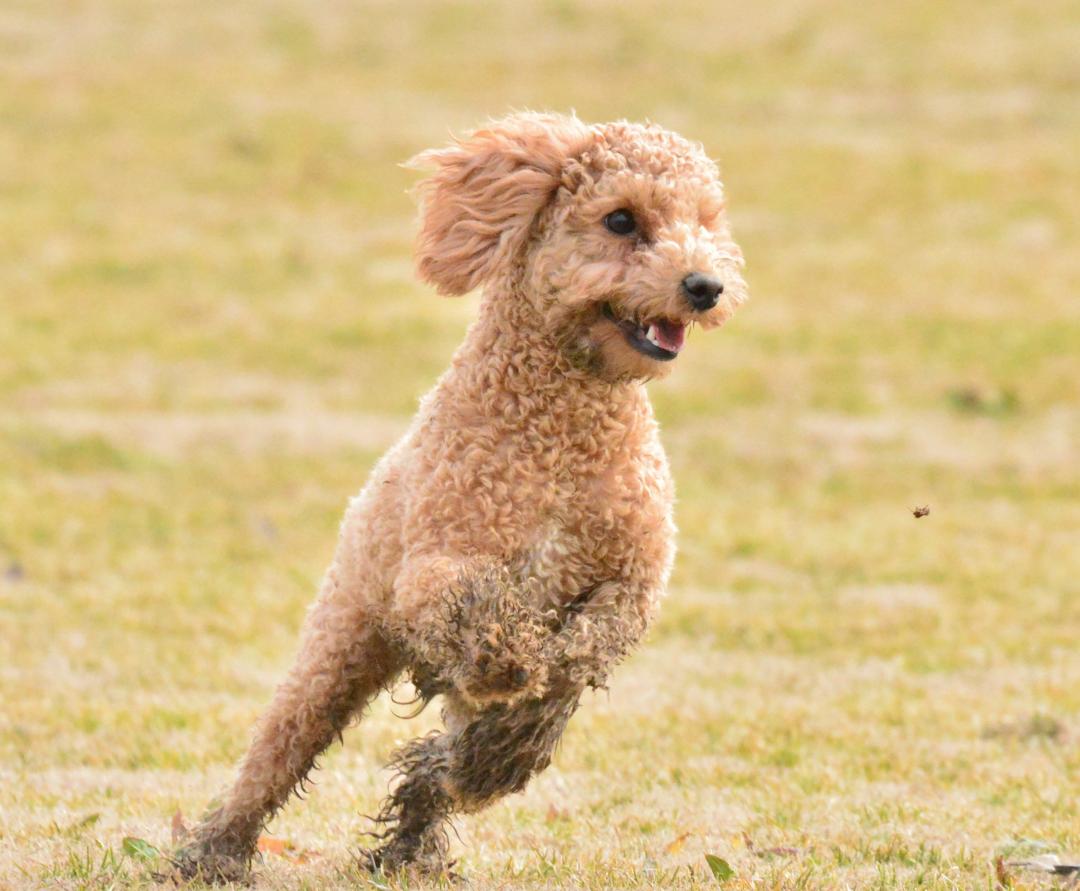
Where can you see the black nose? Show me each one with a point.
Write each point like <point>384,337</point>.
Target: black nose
<point>703,291</point>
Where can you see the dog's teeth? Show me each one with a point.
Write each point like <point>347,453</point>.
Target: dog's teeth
<point>651,336</point>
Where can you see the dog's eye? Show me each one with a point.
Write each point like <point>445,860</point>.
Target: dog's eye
<point>620,221</point>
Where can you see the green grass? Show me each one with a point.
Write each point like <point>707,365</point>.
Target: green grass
<point>209,330</point>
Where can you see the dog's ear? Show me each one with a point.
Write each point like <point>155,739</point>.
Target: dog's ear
<point>477,207</point>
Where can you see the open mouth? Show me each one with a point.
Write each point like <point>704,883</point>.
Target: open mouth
<point>659,339</point>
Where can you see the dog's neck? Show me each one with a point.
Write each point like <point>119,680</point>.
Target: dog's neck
<point>508,351</point>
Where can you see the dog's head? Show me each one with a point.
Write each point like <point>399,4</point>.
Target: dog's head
<point>616,233</point>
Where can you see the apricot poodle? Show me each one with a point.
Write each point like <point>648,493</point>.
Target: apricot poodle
<point>516,543</point>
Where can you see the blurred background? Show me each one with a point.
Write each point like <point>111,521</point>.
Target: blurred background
<point>210,329</point>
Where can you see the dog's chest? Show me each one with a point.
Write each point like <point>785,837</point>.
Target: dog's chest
<point>559,564</point>
<point>612,520</point>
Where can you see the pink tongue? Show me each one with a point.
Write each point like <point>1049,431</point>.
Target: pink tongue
<point>670,335</point>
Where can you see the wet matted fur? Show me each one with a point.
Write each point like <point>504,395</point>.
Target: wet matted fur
<point>516,543</point>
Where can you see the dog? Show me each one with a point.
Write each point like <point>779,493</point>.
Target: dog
<point>515,544</point>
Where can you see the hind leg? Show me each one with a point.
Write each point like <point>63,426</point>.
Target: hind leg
<point>344,662</point>
<point>482,757</point>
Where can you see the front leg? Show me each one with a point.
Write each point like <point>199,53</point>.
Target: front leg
<point>599,629</point>
<point>471,627</point>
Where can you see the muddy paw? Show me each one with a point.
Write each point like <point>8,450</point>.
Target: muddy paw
<point>419,857</point>
<point>201,861</point>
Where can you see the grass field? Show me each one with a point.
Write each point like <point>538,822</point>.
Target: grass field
<point>209,330</point>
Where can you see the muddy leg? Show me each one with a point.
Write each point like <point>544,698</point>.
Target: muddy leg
<point>343,663</point>
<point>494,753</point>
<point>416,812</point>
<point>473,627</point>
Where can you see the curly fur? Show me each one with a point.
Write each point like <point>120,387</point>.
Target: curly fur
<point>515,544</point>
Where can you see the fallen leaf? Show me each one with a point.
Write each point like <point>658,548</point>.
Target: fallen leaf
<point>139,848</point>
<point>675,846</point>
<point>1002,879</point>
<point>719,867</point>
<point>555,813</point>
<point>270,845</point>
<point>286,849</point>
<point>179,830</point>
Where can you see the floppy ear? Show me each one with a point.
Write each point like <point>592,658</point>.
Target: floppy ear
<point>478,205</point>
